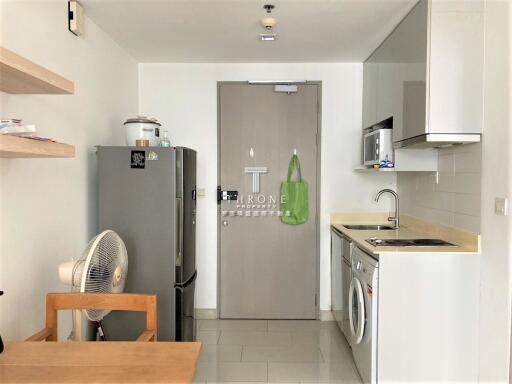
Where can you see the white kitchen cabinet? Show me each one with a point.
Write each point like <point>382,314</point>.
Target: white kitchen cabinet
<point>456,67</point>
<point>341,274</point>
<point>428,318</point>
<point>428,75</point>
<point>401,58</point>
<point>370,82</point>
<point>385,77</point>
<point>336,276</point>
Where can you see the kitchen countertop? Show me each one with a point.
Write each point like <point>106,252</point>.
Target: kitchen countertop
<point>411,229</point>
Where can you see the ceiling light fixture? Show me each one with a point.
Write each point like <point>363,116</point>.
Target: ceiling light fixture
<point>268,23</point>
<point>268,36</point>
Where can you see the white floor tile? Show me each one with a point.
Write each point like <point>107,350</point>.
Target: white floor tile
<point>229,372</point>
<point>320,336</point>
<point>280,351</point>
<point>208,337</point>
<point>233,325</point>
<point>310,354</point>
<point>312,372</point>
<point>331,343</point>
<point>300,325</point>
<point>221,353</point>
<point>276,339</point>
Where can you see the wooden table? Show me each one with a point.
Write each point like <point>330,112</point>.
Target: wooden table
<point>98,362</point>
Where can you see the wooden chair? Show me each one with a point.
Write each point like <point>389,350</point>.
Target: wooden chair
<point>112,301</point>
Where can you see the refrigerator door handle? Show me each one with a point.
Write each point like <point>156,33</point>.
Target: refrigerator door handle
<point>183,286</point>
<point>179,231</point>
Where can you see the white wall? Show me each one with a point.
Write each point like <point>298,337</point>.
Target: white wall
<point>455,200</point>
<point>184,98</point>
<point>49,205</point>
<point>1,188</point>
<point>495,282</point>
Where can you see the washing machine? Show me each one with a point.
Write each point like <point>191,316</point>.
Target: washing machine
<point>363,316</point>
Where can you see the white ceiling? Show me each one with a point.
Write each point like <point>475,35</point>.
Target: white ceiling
<point>228,30</point>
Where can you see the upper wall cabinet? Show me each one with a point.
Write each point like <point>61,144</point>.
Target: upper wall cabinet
<point>428,76</point>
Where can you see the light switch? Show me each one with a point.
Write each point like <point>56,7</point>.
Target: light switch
<point>201,192</point>
<point>501,206</point>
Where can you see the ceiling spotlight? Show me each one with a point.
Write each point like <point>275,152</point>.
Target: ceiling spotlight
<point>268,36</point>
<point>268,7</point>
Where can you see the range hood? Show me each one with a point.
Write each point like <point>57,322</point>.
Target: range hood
<point>438,140</point>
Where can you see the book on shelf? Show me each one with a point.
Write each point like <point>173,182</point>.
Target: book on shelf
<point>16,127</point>
<point>18,130</point>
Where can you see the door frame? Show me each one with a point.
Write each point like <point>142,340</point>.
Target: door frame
<point>318,184</point>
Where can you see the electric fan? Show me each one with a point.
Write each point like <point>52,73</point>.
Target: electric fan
<point>101,269</point>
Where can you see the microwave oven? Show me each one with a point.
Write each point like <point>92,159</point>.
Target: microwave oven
<point>377,146</point>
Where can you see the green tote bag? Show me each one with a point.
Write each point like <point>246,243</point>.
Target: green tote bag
<point>294,196</point>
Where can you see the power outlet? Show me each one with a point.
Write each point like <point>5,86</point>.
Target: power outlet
<point>501,206</point>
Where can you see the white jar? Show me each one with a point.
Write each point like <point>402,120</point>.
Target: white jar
<point>142,128</point>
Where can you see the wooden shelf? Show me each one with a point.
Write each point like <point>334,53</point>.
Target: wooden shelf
<point>21,76</point>
<point>18,147</point>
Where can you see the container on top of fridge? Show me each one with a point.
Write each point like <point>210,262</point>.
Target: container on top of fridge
<point>142,128</point>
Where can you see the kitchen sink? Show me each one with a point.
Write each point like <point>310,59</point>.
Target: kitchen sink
<point>371,227</point>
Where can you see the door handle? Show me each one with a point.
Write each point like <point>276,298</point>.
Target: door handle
<point>225,223</point>
<point>226,195</point>
<point>179,231</point>
<point>183,286</point>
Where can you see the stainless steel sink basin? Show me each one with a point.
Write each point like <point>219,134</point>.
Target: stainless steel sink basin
<point>370,227</point>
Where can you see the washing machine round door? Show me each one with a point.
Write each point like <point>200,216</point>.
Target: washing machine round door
<point>356,310</point>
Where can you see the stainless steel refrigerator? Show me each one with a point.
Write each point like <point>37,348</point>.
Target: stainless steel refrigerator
<point>148,196</point>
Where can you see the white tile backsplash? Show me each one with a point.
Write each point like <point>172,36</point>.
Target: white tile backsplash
<point>467,162</point>
<point>467,222</point>
<point>455,200</point>
<point>446,163</point>
<point>467,204</point>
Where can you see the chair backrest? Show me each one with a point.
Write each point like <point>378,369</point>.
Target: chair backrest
<point>112,301</point>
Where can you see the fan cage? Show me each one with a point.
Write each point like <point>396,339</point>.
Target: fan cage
<point>102,269</point>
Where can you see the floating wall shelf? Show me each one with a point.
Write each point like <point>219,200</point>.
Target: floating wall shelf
<point>365,169</point>
<point>21,76</point>
<point>409,160</point>
<point>19,147</point>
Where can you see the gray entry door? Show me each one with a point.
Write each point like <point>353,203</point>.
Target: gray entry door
<point>268,269</point>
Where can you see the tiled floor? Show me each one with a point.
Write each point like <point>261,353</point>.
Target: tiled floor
<point>274,351</point>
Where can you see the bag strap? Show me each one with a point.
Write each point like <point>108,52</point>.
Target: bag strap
<point>294,163</point>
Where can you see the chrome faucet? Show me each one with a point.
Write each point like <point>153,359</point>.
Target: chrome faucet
<point>396,218</point>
